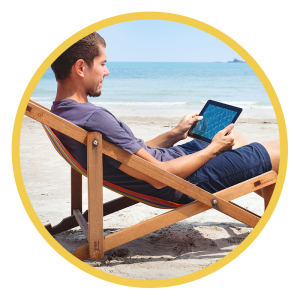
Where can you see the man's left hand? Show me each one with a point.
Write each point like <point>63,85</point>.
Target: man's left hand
<point>185,124</point>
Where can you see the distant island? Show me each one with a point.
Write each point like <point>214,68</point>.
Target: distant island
<point>236,61</point>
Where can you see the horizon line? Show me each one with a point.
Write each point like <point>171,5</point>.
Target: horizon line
<point>170,61</point>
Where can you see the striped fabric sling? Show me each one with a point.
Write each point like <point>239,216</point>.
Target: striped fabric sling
<point>152,201</point>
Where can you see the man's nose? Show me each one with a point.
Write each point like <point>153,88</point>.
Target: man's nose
<point>106,72</point>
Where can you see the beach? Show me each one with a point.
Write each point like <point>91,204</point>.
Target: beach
<point>174,251</point>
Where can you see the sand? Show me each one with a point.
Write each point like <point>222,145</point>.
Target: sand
<point>177,250</point>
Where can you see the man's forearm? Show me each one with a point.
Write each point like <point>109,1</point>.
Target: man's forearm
<point>165,140</point>
<point>188,164</point>
<point>178,133</point>
<point>182,166</point>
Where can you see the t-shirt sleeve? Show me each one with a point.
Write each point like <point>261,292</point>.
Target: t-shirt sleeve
<point>113,132</point>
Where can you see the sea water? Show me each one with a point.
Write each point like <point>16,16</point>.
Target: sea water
<point>165,85</point>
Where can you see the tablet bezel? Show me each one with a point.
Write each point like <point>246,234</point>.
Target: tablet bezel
<point>219,104</point>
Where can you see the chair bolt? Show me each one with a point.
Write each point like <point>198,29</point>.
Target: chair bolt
<point>214,202</point>
<point>95,142</point>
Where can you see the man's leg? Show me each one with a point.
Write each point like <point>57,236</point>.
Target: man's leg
<point>239,140</point>
<point>273,148</point>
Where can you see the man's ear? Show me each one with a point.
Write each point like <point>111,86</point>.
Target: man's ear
<point>79,67</point>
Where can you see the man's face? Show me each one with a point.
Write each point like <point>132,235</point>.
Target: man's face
<point>95,74</point>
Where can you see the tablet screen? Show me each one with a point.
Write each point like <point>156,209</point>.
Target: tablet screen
<point>215,118</point>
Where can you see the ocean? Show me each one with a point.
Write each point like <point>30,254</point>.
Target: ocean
<point>163,85</point>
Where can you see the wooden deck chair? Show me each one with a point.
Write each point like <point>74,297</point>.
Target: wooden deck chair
<point>91,222</point>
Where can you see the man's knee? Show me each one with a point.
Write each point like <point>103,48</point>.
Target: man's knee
<point>239,140</point>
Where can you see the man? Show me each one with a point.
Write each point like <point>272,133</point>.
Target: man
<point>228,160</point>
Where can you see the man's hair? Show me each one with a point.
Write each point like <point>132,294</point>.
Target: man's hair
<point>86,49</point>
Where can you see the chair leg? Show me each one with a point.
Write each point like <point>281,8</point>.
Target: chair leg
<point>76,203</point>
<point>76,190</point>
<point>95,194</point>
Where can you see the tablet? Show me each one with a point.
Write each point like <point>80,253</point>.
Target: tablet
<point>216,116</point>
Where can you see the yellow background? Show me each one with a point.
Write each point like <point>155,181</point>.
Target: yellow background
<point>268,41</point>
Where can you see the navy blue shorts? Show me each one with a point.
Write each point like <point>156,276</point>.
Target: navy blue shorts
<point>228,168</point>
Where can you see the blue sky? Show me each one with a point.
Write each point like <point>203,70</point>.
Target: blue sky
<point>163,41</point>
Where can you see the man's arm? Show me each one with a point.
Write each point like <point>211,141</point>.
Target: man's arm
<point>185,165</point>
<point>178,133</point>
<point>165,140</point>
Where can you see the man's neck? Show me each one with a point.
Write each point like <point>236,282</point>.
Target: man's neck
<point>69,90</point>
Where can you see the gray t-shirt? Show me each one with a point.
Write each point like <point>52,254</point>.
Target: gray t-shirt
<point>94,118</point>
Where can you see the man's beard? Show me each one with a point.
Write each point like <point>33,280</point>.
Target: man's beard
<point>94,94</point>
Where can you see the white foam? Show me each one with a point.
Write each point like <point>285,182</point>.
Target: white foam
<point>148,104</point>
<point>41,98</point>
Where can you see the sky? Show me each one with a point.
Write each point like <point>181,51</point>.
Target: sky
<point>163,41</point>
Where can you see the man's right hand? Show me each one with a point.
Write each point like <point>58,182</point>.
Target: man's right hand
<point>222,142</point>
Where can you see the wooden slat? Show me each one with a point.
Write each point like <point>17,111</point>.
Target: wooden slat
<point>176,215</point>
<point>82,252</point>
<point>76,190</point>
<point>81,222</point>
<point>248,186</point>
<point>65,224</point>
<point>95,194</point>
<point>40,114</point>
<point>117,204</point>
<point>128,234</point>
<point>39,105</point>
<point>171,217</point>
